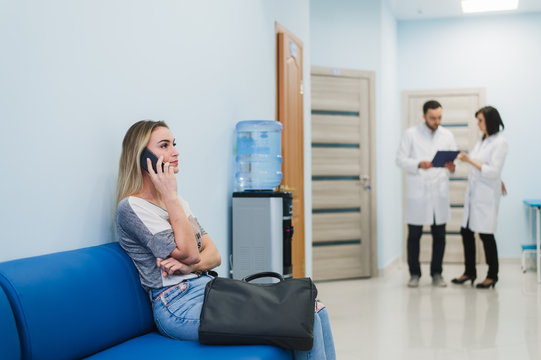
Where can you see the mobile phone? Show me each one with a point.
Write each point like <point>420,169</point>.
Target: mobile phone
<point>147,154</point>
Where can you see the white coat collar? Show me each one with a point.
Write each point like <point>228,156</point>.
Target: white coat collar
<point>426,130</point>
<point>491,138</point>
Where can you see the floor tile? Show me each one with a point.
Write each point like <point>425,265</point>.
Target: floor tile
<point>381,318</point>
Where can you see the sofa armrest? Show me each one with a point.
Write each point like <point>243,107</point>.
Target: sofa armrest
<point>80,301</point>
<point>9,341</point>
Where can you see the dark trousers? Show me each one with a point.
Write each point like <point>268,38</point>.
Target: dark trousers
<point>491,253</point>
<point>438,247</point>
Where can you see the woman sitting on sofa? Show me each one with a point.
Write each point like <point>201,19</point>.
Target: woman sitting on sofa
<point>171,251</point>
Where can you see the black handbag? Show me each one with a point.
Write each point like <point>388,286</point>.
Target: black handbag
<point>237,312</point>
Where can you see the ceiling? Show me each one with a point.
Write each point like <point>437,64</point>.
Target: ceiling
<point>430,9</point>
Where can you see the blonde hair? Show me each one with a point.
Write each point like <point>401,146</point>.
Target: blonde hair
<point>130,176</point>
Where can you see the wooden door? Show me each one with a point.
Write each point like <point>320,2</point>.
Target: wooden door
<point>458,116</point>
<point>342,173</point>
<point>290,112</point>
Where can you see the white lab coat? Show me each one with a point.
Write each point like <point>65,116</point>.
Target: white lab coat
<point>484,187</point>
<point>427,191</point>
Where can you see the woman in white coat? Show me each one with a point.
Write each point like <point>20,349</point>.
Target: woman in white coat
<point>483,196</point>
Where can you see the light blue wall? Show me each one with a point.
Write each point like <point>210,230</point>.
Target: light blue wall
<point>500,53</point>
<point>362,35</point>
<point>503,55</point>
<point>346,33</point>
<point>389,134</point>
<point>76,74</point>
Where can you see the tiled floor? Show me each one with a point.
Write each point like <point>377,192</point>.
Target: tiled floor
<point>380,318</point>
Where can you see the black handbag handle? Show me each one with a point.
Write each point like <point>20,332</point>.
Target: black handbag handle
<point>263,274</point>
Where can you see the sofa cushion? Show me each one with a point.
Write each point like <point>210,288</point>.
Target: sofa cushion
<point>73,304</point>
<point>155,346</point>
<point>9,339</point>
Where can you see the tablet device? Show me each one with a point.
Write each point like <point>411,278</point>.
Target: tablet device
<point>443,157</point>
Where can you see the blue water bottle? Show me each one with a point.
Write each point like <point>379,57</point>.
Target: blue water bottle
<point>259,154</point>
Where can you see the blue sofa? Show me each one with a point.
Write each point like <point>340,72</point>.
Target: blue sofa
<point>88,303</point>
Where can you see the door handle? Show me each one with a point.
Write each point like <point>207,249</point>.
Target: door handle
<point>365,182</point>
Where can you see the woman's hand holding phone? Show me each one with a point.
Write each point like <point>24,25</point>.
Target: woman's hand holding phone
<point>164,179</point>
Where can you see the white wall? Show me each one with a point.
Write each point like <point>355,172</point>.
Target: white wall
<point>76,74</point>
<point>362,35</point>
<point>502,54</point>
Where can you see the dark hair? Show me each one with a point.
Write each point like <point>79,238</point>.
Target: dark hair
<point>493,120</point>
<point>431,104</point>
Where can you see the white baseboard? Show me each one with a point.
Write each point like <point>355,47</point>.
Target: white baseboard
<point>395,264</point>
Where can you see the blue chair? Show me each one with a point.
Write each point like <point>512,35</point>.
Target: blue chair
<point>527,249</point>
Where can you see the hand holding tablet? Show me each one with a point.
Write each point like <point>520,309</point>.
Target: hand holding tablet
<point>443,157</point>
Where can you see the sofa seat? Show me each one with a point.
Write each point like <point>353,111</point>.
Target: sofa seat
<point>154,345</point>
<point>89,303</point>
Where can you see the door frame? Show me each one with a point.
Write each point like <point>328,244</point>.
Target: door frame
<point>373,211</point>
<point>299,248</point>
<point>406,94</point>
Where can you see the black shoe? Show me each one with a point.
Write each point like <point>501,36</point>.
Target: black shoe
<point>463,278</point>
<point>487,283</point>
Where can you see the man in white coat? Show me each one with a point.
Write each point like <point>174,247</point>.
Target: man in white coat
<point>427,189</point>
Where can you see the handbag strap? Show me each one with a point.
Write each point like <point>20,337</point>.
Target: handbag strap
<point>263,274</point>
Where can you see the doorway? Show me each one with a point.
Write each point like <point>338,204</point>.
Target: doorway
<point>458,109</point>
<point>289,110</point>
<point>343,170</point>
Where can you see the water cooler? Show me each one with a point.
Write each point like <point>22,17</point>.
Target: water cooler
<point>262,233</point>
